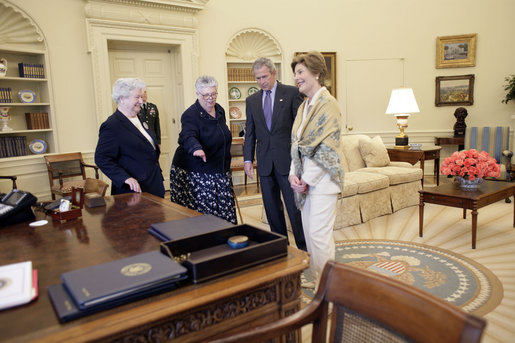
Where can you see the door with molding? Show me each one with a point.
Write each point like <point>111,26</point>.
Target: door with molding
<point>156,65</point>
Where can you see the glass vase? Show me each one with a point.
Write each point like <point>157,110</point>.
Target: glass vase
<point>467,184</point>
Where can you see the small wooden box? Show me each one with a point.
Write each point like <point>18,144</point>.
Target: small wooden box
<point>75,210</point>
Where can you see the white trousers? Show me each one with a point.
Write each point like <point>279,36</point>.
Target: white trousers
<point>318,217</point>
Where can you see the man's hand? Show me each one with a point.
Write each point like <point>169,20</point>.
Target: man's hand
<point>249,169</point>
<point>298,185</point>
<point>133,184</point>
<point>200,153</point>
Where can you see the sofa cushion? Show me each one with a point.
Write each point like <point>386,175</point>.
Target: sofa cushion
<point>350,148</point>
<point>367,182</point>
<point>396,175</point>
<point>350,187</point>
<point>373,151</point>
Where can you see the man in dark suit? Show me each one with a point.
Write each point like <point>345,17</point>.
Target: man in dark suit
<point>150,115</point>
<point>270,115</point>
<point>127,152</point>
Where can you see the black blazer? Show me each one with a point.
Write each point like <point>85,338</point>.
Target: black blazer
<point>123,152</point>
<point>273,147</point>
<point>201,131</point>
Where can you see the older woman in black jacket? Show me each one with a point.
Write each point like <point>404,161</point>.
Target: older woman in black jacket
<point>200,175</point>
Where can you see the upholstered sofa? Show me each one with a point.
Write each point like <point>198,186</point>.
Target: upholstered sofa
<point>373,185</point>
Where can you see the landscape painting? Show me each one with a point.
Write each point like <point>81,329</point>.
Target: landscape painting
<point>454,90</point>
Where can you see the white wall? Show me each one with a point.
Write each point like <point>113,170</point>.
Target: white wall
<point>379,29</point>
<point>358,30</point>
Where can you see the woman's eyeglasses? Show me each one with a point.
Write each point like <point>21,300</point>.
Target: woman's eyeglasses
<point>209,96</point>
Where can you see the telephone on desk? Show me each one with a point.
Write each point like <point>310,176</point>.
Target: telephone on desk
<point>15,207</point>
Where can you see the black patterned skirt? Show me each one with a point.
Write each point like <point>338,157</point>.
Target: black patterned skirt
<point>205,193</point>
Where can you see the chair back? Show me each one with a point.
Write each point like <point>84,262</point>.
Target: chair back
<point>70,165</point>
<point>493,140</point>
<point>369,307</point>
<point>374,308</point>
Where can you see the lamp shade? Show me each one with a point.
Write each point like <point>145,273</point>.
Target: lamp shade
<point>402,101</point>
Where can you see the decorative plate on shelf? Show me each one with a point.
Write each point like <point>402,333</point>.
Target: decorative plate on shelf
<point>38,146</point>
<point>234,93</point>
<point>235,112</point>
<point>253,90</point>
<point>27,96</point>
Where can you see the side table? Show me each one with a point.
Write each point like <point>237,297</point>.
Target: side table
<point>418,155</point>
<point>459,141</point>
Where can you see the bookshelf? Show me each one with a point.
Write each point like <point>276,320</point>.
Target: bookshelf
<point>25,101</point>
<point>244,48</point>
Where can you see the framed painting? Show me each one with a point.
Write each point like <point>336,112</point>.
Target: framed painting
<point>456,51</point>
<point>454,90</point>
<point>330,61</point>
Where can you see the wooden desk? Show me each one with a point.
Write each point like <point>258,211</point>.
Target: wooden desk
<point>413,156</point>
<point>189,313</point>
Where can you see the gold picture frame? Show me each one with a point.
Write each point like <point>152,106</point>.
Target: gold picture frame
<point>456,51</point>
<point>454,90</point>
<point>330,61</point>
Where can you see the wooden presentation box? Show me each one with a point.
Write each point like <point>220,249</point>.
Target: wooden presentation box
<point>207,256</point>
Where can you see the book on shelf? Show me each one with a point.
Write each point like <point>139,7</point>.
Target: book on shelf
<point>6,95</point>
<point>37,120</point>
<point>12,146</point>
<point>32,70</point>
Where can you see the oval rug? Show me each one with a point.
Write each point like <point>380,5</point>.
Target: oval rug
<point>450,276</point>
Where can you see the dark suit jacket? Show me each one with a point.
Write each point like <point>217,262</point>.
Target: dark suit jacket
<point>123,152</point>
<point>151,117</point>
<point>273,147</point>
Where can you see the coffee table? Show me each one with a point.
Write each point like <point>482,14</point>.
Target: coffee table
<point>452,195</point>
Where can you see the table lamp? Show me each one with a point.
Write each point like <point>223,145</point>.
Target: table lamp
<point>402,103</point>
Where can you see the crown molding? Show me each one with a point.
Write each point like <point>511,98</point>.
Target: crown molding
<point>188,6</point>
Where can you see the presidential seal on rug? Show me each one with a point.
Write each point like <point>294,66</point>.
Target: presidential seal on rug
<point>450,276</point>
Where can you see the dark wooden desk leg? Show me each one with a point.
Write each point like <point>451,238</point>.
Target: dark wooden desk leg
<point>464,213</point>
<point>474,226</point>
<point>437,171</point>
<point>422,167</point>
<point>421,216</point>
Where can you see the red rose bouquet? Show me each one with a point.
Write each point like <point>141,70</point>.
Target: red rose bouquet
<point>471,164</point>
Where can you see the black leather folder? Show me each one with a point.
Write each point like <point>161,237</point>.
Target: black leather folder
<point>184,228</point>
<point>122,279</point>
<point>66,308</point>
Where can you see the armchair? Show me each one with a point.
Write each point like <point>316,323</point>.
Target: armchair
<point>66,168</point>
<point>496,142</point>
<point>369,307</point>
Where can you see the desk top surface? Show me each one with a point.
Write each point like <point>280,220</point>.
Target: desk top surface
<point>104,234</point>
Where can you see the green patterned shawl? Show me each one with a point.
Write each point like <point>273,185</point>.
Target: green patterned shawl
<point>319,140</point>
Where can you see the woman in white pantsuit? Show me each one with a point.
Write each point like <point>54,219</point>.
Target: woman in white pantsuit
<point>316,173</point>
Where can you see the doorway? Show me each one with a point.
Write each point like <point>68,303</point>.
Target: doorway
<point>157,66</point>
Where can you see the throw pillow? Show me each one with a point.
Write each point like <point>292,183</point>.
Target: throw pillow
<point>373,152</point>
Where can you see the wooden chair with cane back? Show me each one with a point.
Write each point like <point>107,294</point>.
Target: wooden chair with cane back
<point>369,307</point>
<point>66,171</point>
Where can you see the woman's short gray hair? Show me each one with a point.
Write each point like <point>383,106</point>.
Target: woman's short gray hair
<point>205,81</point>
<point>123,87</point>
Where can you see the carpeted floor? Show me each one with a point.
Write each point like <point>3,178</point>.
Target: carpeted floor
<point>444,229</point>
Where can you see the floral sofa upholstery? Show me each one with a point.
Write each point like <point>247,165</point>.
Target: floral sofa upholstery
<point>373,185</point>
